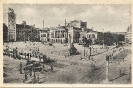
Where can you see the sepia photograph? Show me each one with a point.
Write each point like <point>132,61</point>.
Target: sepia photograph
<point>67,43</point>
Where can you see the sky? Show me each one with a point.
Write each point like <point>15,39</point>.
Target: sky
<point>113,17</point>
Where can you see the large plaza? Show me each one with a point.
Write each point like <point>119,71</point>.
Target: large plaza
<point>71,69</point>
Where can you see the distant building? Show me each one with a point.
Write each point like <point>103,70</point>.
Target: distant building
<point>119,33</point>
<point>77,24</point>
<point>10,21</point>
<point>89,34</point>
<point>128,35</point>
<point>73,34</point>
<point>26,32</point>
<point>44,35</point>
<point>58,34</point>
<point>74,29</point>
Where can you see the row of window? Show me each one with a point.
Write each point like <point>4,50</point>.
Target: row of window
<point>90,36</point>
<point>43,35</point>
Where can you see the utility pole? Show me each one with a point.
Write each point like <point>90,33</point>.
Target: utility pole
<point>70,39</point>
<point>84,49</point>
<point>90,51</point>
<point>107,68</point>
<point>70,42</point>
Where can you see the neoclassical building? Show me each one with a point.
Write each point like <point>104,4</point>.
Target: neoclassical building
<point>44,35</point>
<point>58,34</point>
<point>69,33</point>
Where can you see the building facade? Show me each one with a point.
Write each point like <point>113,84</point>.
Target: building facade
<point>89,34</point>
<point>74,29</point>
<point>44,35</point>
<point>73,34</point>
<point>77,24</point>
<point>10,21</point>
<point>59,34</point>
<point>128,35</point>
<point>26,32</point>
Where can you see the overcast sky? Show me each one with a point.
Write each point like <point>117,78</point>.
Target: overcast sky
<point>108,17</point>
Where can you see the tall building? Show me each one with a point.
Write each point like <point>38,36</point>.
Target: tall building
<point>74,29</point>
<point>74,34</point>
<point>128,35</point>
<point>10,21</point>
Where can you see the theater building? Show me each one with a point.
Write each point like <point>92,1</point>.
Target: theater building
<point>58,34</point>
<point>74,29</point>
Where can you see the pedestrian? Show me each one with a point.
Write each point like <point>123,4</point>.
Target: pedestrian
<point>38,78</point>
<point>120,72</point>
<point>34,80</point>
<point>43,68</point>
<point>52,68</point>
<point>30,72</point>
<point>26,77</point>
<point>13,53</point>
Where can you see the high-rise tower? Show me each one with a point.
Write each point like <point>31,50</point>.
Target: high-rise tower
<point>11,25</point>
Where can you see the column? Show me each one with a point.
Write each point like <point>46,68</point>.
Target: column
<point>64,35</point>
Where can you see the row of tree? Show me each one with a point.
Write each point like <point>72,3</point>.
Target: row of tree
<point>107,38</point>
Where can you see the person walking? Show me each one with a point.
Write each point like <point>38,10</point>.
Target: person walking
<point>25,77</point>
<point>38,78</point>
<point>43,68</point>
<point>51,68</point>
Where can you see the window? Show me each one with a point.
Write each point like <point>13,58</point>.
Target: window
<point>89,36</point>
<point>93,36</point>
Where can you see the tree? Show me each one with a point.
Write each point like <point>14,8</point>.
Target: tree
<point>108,39</point>
<point>98,41</point>
<point>121,37</point>
<point>84,39</point>
<point>86,42</point>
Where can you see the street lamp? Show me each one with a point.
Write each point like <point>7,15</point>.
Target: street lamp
<point>84,48</point>
<point>90,50</point>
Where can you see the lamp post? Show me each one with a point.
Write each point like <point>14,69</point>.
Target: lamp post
<point>84,49</point>
<point>90,51</point>
<point>107,68</point>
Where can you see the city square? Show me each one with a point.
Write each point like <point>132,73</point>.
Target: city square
<point>70,53</point>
